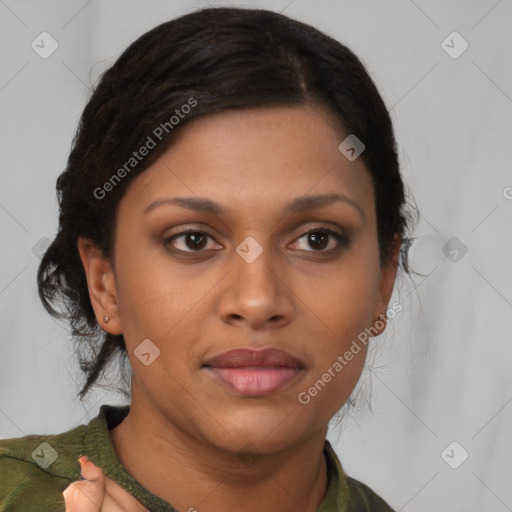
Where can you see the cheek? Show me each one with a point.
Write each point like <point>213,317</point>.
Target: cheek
<point>347,302</point>
<point>345,309</point>
<point>162,304</point>
<point>149,304</point>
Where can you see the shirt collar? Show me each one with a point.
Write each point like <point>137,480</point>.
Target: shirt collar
<point>99,446</point>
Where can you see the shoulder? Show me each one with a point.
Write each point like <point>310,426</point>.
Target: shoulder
<point>35,469</point>
<point>351,494</point>
<point>364,499</point>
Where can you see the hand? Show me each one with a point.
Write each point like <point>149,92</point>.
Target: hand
<point>98,493</point>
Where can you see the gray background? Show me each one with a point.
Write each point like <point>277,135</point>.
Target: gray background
<point>442,368</point>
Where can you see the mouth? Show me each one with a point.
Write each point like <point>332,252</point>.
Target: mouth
<point>252,372</point>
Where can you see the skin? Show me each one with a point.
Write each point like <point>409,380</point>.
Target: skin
<point>98,492</point>
<point>188,438</point>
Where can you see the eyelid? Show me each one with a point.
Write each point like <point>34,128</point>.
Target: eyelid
<point>342,238</point>
<point>184,232</point>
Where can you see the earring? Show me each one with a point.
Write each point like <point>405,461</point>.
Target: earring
<point>106,319</point>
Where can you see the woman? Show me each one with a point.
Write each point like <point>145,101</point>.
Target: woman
<point>231,219</point>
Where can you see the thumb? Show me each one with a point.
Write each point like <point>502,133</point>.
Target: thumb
<point>86,495</point>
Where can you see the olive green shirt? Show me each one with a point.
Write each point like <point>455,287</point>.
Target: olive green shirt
<point>35,470</point>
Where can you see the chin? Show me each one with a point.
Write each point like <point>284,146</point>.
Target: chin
<point>260,430</point>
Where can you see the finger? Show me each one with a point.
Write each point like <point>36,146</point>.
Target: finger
<point>113,497</point>
<point>89,470</point>
<point>86,495</point>
<point>83,496</point>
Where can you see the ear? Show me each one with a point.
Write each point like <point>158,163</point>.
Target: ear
<point>385,290</point>
<point>101,284</point>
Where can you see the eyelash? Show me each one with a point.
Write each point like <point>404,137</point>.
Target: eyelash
<point>342,240</point>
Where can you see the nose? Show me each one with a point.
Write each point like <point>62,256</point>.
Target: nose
<point>255,292</point>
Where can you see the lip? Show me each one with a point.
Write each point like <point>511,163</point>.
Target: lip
<point>252,372</point>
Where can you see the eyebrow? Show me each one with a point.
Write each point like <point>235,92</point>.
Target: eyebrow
<point>298,205</point>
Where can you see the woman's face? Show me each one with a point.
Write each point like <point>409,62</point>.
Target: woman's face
<point>249,276</point>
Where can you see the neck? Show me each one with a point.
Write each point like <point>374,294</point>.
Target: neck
<point>189,474</point>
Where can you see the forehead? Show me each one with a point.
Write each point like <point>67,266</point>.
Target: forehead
<point>252,158</point>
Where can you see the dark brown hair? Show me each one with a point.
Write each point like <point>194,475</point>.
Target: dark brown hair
<point>215,59</point>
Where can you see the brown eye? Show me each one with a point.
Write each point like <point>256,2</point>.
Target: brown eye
<point>190,241</point>
<point>319,239</point>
